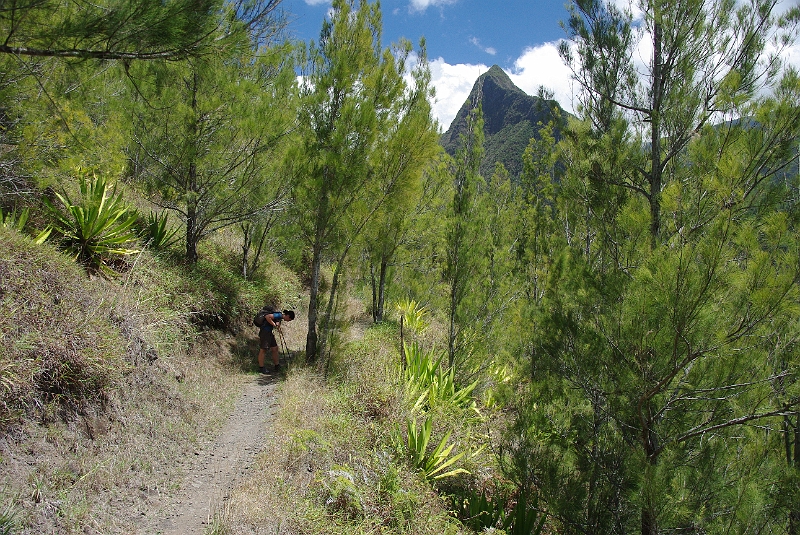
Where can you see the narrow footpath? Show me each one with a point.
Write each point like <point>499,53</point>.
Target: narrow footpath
<point>220,466</point>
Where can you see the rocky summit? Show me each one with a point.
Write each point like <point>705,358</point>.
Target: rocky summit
<point>511,119</point>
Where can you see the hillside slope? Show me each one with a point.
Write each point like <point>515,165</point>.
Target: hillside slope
<point>105,386</point>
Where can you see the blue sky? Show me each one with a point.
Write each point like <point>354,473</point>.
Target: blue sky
<point>462,31</point>
<point>466,37</point>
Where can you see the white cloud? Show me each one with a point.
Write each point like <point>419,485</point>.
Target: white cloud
<point>783,6</point>
<point>489,50</point>
<point>538,66</point>
<point>628,5</point>
<point>792,56</point>
<point>317,2</point>
<point>453,84</point>
<point>542,66</point>
<point>422,5</point>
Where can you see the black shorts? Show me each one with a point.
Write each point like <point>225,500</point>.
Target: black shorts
<point>267,339</point>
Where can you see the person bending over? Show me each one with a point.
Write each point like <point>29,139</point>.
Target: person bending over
<point>267,340</point>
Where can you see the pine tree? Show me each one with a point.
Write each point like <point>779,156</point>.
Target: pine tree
<point>353,93</point>
<point>222,123</point>
<point>680,264</point>
<point>466,246</point>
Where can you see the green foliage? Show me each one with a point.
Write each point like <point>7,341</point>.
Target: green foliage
<point>427,381</point>
<point>466,244</point>
<point>525,518</point>
<point>13,220</point>
<point>482,511</point>
<point>430,463</point>
<point>353,90</point>
<point>117,30</point>
<point>8,523</point>
<point>657,268</point>
<point>479,511</point>
<point>156,234</point>
<point>414,315</point>
<point>96,228</point>
<point>215,159</point>
<point>341,494</point>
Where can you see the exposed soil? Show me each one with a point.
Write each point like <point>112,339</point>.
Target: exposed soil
<point>216,469</point>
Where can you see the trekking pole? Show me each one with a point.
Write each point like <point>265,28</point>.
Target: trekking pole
<point>284,349</point>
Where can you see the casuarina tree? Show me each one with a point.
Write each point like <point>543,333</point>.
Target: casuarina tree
<point>664,339</point>
<point>353,106</point>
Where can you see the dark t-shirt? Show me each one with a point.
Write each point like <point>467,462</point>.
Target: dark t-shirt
<point>276,317</point>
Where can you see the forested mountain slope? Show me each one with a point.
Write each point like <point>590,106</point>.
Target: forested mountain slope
<point>511,119</point>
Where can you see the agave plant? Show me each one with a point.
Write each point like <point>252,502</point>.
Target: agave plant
<point>97,227</point>
<point>155,233</point>
<point>430,464</point>
<point>479,511</point>
<point>14,220</point>
<point>413,315</point>
<point>525,518</point>
<point>427,380</point>
<point>421,366</point>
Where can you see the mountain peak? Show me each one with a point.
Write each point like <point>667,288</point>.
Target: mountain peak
<point>511,118</point>
<point>499,77</point>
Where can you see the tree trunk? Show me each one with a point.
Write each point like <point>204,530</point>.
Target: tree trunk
<point>649,522</point>
<point>452,332</point>
<point>313,304</point>
<point>330,312</point>
<point>191,234</point>
<point>382,289</point>
<point>792,443</point>
<point>192,230</point>
<point>325,325</point>
<point>312,347</point>
<point>374,293</point>
<point>649,518</point>
<point>655,133</point>
<point>650,445</point>
<point>247,231</point>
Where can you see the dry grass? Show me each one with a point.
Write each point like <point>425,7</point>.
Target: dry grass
<point>106,385</point>
<point>58,348</point>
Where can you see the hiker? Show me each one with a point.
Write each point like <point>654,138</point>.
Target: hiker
<point>271,321</point>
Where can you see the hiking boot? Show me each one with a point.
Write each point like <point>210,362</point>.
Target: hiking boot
<point>262,369</point>
<point>276,368</point>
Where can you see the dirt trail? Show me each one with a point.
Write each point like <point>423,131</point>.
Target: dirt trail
<point>215,471</point>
